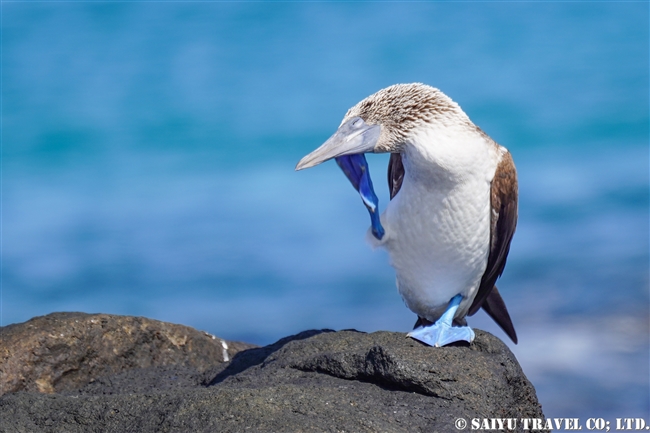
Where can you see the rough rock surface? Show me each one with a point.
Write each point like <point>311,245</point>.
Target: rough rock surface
<point>316,381</point>
<point>65,351</point>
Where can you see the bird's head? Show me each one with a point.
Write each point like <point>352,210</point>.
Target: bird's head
<point>383,122</point>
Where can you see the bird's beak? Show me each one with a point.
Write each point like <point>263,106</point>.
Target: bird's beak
<point>353,137</point>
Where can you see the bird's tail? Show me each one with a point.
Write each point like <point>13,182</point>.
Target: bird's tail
<point>496,309</point>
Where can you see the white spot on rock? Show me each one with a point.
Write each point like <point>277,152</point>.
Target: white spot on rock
<point>226,358</point>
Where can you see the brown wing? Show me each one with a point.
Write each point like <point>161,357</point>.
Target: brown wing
<point>395,174</point>
<point>504,221</point>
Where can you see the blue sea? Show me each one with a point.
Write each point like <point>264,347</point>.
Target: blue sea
<point>148,153</point>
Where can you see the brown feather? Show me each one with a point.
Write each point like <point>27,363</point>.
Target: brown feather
<point>496,309</point>
<point>504,222</point>
<point>395,174</point>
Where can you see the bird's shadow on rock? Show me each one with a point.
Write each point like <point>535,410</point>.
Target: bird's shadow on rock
<point>250,358</point>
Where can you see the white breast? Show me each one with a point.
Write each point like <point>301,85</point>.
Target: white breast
<point>438,225</point>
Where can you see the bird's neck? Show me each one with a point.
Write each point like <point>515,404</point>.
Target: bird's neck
<point>448,155</point>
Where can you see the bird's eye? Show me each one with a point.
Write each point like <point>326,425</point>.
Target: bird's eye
<point>357,122</point>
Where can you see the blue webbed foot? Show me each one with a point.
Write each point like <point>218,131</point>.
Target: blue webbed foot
<point>356,169</point>
<point>443,332</point>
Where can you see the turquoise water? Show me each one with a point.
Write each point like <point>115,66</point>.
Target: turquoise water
<point>148,153</point>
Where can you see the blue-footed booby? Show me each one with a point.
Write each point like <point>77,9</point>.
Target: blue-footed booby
<point>452,210</point>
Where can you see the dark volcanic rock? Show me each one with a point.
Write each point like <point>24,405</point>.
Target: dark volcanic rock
<point>65,351</point>
<point>316,381</point>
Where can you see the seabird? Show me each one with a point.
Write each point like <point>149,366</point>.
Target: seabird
<point>452,210</point>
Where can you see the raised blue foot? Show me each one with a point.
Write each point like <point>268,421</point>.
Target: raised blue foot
<point>443,332</point>
<point>356,169</point>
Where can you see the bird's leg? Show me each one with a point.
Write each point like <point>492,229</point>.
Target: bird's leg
<point>443,331</point>
<point>356,169</point>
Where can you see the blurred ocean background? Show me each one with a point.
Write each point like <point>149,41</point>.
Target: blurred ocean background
<point>148,154</point>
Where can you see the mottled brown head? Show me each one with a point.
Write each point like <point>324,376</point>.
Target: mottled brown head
<point>383,122</point>
<point>402,107</point>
